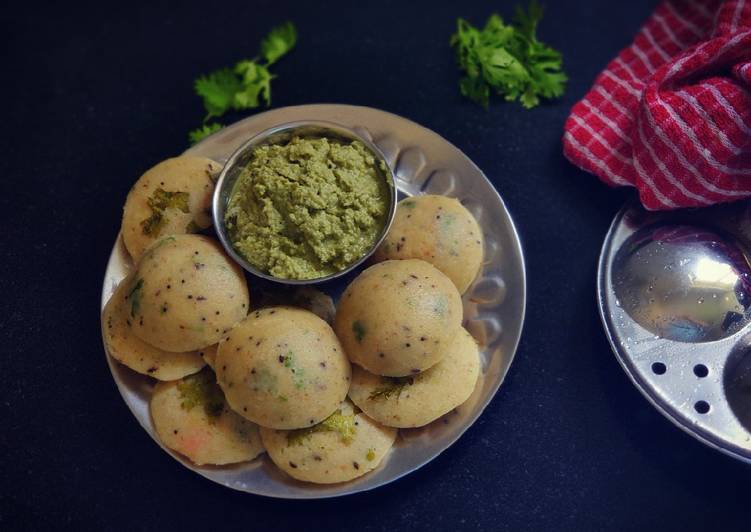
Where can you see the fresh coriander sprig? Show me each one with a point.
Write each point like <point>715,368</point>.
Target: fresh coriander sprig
<point>508,59</point>
<point>245,86</point>
<point>204,131</point>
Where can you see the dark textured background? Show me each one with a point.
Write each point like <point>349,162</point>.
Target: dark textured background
<point>93,96</point>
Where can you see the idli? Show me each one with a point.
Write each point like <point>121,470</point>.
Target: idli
<point>131,351</point>
<point>283,367</point>
<point>398,317</point>
<point>173,197</point>
<point>439,230</point>
<point>346,445</point>
<point>191,417</point>
<point>417,400</point>
<point>186,294</point>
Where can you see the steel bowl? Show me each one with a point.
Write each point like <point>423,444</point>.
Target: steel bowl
<point>278,135</point>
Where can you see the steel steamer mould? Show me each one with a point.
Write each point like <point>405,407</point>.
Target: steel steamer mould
<point>674,292</point>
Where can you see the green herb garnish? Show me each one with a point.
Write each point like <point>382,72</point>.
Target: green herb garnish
<point>336,422</point>
<point>441,306</point>
<point>245,86</point>
<point>391,386</point>
<point>192,227</point>
<point>359,329</point>
<point>298,373</point>
<point>278,42</point>
<point>197,135</point>
<point>160,201</point>
<point>201,389</point>
<point>134,296</point>
<point>508,59</point>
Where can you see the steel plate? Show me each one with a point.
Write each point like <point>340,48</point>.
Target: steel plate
<point>423,162</point>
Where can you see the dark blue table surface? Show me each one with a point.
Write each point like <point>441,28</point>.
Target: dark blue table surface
<point>93,95</point>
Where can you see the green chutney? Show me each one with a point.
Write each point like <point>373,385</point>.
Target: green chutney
<point>308,208</point>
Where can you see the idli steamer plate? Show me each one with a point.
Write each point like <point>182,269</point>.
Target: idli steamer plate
<point>423,162</point>
<point>674,293</point>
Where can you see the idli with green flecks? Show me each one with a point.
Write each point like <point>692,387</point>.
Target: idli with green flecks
<point>416,400</point>
<point>186,294</point>
<point>398,317</point>
<point>284,368</point>
<point>131,351</point>
<point>173,197</point>
<point>346,445</point>
<point>192,418</point>
<point>439,230</point>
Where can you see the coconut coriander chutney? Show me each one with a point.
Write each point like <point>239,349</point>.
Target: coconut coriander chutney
<point>308,208</point>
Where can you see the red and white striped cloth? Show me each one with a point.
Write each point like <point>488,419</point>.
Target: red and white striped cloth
<point>671,115</point>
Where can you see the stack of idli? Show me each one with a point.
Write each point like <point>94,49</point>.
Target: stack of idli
<point>400,320</point>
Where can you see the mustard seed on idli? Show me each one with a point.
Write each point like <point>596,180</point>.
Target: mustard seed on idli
<point>398,317</point>
<point>283,367</point>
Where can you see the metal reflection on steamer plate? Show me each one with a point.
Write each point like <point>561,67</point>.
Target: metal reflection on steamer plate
<point>683,283</point>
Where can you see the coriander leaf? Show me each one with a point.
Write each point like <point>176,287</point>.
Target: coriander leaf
<point>247,85</point>
<point>278,42</point>
<point>527,22</point>
<point>197,135</point>
<point>508,59</point>
<point>391,386</point>
<point>359,330</point>
<point>256,85</point>
<point>158,202</point>
<point>135,298</point>
<point>218,90</point>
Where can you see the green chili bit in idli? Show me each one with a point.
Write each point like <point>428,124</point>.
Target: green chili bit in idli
<point>308,208</point>
<point>201,389</point>
<point>336,422</point>
<point>391,386</point>
<point>160,201</point>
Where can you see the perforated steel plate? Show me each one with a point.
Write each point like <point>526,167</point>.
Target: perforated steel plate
<point>674,293</point>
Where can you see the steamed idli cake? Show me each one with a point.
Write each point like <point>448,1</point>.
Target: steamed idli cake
<point>131,351</point>
<point>283,367</point>
<point>417,400</point>
<point>438,230</point>
<point>173,197</point>
<point>398,317</point>
<point>344,446</point>
<point>186,294</point>
<point>191,417</point>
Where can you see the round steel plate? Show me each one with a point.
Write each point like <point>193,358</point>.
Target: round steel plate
<point>423,162</point>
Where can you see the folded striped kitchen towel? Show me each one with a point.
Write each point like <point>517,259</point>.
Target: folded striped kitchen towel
<point>671,115</point>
